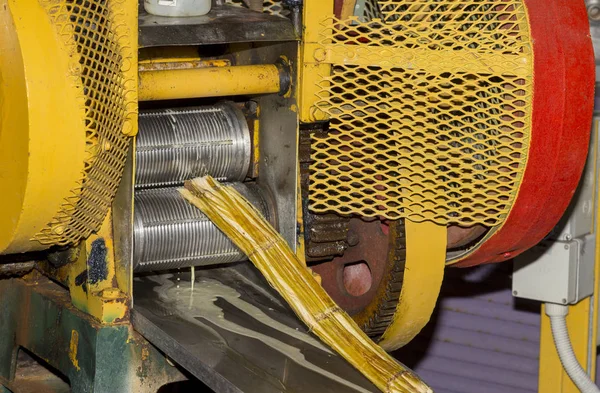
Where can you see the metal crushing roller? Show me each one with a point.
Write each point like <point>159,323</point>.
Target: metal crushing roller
<point>174,145</point>
<point>170,233</point>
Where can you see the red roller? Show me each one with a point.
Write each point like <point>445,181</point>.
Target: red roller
<point>563,100</point>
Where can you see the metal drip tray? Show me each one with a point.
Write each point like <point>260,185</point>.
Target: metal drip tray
<point>235,334</point>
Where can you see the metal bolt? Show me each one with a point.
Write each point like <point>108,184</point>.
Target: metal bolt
<point>320,55</point>
<point>568,237</point>
<point>564,301</point>
<point>515,293</point>
<point>566,246</point>
<point>252,107</point>
<point>352,238</point>
<point>594,12</point>
<point>127,127</point>
<point>317,115</point>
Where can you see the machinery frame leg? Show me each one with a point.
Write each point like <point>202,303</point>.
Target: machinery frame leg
<point>39,317</point>
<point>582,320</point>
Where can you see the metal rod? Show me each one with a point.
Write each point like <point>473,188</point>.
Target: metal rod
<point>213,82</point>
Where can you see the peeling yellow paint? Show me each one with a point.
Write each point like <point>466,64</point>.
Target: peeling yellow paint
<point>73,349</point>
<point>145,353</point>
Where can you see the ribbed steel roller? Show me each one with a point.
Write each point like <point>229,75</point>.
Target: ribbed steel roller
<point>170,233</point>
<point>178,144</point>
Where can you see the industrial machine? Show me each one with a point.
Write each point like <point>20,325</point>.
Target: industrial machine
<point>384,139</point>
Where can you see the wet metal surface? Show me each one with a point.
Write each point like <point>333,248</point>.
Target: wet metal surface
<point>236,335</point>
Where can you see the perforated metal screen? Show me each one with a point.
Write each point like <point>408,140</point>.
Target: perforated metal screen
<point>94,33</point>
<point>429,105</point>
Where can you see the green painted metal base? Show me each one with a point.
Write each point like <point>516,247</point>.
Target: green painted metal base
<point>39,317</point>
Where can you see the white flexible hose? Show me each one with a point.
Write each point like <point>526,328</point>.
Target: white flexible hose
<point>558,323</point>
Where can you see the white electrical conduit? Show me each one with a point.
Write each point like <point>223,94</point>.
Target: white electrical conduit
<point>558,323</point>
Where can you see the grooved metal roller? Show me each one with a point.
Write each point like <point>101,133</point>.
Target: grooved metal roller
<point>170,233</point>
<point>174,145</point>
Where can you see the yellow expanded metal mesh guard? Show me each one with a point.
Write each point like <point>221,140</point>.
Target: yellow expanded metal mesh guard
<point>98,36</point>
<point>273,7</point>
<point>429,105</point>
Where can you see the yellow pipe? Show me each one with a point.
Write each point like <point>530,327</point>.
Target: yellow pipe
<point>210,82</point>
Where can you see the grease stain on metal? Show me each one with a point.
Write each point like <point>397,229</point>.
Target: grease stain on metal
<point>97,269</point>
<point>81,280</point>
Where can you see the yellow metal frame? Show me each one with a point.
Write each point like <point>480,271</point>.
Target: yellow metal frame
<point>425,241</point>
<point>103,69</point>
<point>40,168</point>
<point>108,300</point>
<point>310,70</point>
<point>105,295</point>
<point>61,151</point>
<point>582,321</point>
<point>102,299</point>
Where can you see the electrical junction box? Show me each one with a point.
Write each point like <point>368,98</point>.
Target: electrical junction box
<point>561,268</point>
<point>556,271</point>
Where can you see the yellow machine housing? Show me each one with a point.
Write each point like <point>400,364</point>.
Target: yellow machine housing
<point>68,105</point>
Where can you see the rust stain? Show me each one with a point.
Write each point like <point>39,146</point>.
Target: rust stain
<point>145,353</point>
<point>188,64</point>
<point>73,349</point>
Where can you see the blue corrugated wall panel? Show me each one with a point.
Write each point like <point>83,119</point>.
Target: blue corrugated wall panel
<point>480,339</point>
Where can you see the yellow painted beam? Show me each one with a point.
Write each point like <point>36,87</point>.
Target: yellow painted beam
<point>310,71</point>
<point>314,12</point>
<point>209,82</point>
<point>552,377</point>
<point>438,61</point>
<point>582,323</point>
